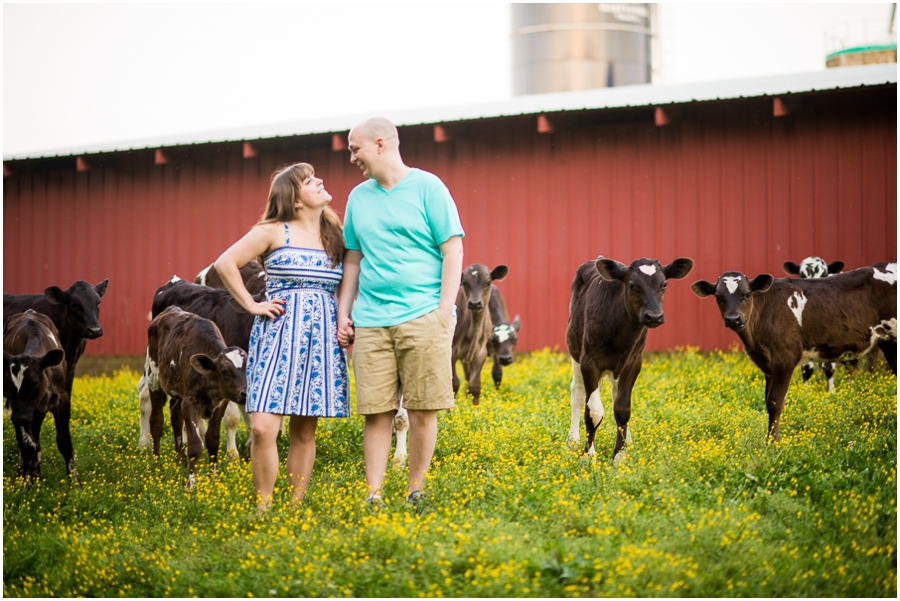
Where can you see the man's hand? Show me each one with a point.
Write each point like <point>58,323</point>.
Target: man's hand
<point>346,334</point>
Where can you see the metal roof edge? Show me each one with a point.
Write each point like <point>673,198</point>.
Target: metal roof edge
<point>597,99</point>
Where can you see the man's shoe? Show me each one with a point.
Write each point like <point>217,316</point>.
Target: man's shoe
<point>415,498</point>
<point>375,504</point>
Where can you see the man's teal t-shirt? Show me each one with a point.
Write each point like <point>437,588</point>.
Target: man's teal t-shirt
<point>399,234</point>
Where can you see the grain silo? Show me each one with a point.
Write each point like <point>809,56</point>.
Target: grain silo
<point>565,47</point>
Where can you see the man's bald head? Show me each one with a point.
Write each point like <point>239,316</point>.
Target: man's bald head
<point>375,128</point>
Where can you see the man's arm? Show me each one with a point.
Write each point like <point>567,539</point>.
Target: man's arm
<point>451,268</point>
<point>349,287</point>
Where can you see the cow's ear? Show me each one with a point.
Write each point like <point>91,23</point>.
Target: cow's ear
<point>517,323</point>
<point>610,269</point>
<point>499,272</point>
<point>761,283</point>
<point>791,268</point>
<point>56,295</point>
<point>52,358</point>
<point>100,288</point>
<point>702,288</point>
<point>678,268</point>
<point>202,364</point>
<point>836,267</point>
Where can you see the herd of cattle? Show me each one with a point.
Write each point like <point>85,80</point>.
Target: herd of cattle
<point>198,337</point>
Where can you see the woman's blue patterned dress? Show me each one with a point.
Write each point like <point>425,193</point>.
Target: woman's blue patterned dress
<point>296,366</point>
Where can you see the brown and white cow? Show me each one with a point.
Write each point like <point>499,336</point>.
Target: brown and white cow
<point>473,324</point>
<point>75,313</point>
<point>233,322</point>
<point>612,307</point>
<point>34,382</point>
<point>252,273</point>
<point>504,335</point>
<point>815,267</point>
<point>188,361</point>
<point>786,321</point>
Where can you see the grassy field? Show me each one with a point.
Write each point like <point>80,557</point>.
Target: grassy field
<point>701,506</point>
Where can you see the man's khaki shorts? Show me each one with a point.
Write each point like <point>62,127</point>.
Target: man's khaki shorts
<point>412,358</point>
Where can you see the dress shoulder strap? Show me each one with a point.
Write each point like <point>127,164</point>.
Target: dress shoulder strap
<point>287,235</point>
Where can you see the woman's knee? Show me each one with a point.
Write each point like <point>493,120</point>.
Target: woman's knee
<point>264,426</point>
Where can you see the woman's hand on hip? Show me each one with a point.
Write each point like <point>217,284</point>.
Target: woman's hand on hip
<point>271,309</point>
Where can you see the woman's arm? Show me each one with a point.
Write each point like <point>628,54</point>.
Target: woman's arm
<point>254,243</point>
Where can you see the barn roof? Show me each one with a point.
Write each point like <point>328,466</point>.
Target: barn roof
<point>597,99</point>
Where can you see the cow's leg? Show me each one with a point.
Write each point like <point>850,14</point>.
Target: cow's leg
<point>807,371</point>
<point>232,421</point>
<point>62,415</point>
<point>593,409</point>
<point>497,372</point>
<point>177,418</point>
<point>473,376</point>
<point>213,432</point>
<point>194,442</point>
<point>29,452</point>
<point>622,404</point>
<point>248,422</point>
<point>776,395</point>
<point>828,369</point>
<point>453,374</point>
<point>577,398</point>
<point>401,429</point>
<point>145,441</point>
<point>157,402</point>
<point>889,350</point>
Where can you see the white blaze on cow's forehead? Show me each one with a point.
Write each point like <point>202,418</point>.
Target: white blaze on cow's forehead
<point>889,274</point>
<point>172,362</point>
<point>813,267</point>
<point>648,269</point>
<point>175,278</point>
<point>503,332</point>
<point>17,377</point>
<point>731,282</point>
<point>796,304</point>
<point>236,357</point>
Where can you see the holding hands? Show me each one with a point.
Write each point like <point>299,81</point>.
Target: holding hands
<point>346,334</point>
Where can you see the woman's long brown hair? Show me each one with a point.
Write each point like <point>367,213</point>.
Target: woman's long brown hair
<point>283,194</point>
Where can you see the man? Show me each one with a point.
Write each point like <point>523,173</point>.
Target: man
<point>404,257</point>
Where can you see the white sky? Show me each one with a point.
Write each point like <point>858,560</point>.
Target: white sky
<point>83,74</point>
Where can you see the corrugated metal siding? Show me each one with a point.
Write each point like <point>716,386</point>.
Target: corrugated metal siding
<point>725,183</point>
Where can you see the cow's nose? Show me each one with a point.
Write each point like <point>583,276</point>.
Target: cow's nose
<point>476,305</point>
<point>653,318</point>
<point>242,397</point>
<point>506,360</point>
<point>734,322</point>
<point>95,332</point>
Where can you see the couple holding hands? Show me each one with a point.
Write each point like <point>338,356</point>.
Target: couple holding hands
<point>396,265</point>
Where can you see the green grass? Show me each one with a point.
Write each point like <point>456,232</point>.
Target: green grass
<point>701,506</point>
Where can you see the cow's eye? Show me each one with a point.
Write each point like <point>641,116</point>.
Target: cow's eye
<point>664,285</point>
<point>631,287</point>
<point>747,295</point>
<point>224,372</point>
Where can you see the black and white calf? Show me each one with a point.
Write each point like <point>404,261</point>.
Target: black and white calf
<point>34,382</point>
<point>786,321</point>
<point>612,307</point>
<point>504,336</point>
<point>188,361</point>
<point>809,268</point>
<point>233,322</point>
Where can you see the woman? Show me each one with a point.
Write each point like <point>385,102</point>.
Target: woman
<point>296,366</point>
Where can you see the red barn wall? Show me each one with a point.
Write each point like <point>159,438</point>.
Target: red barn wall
<point>725,183</point>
